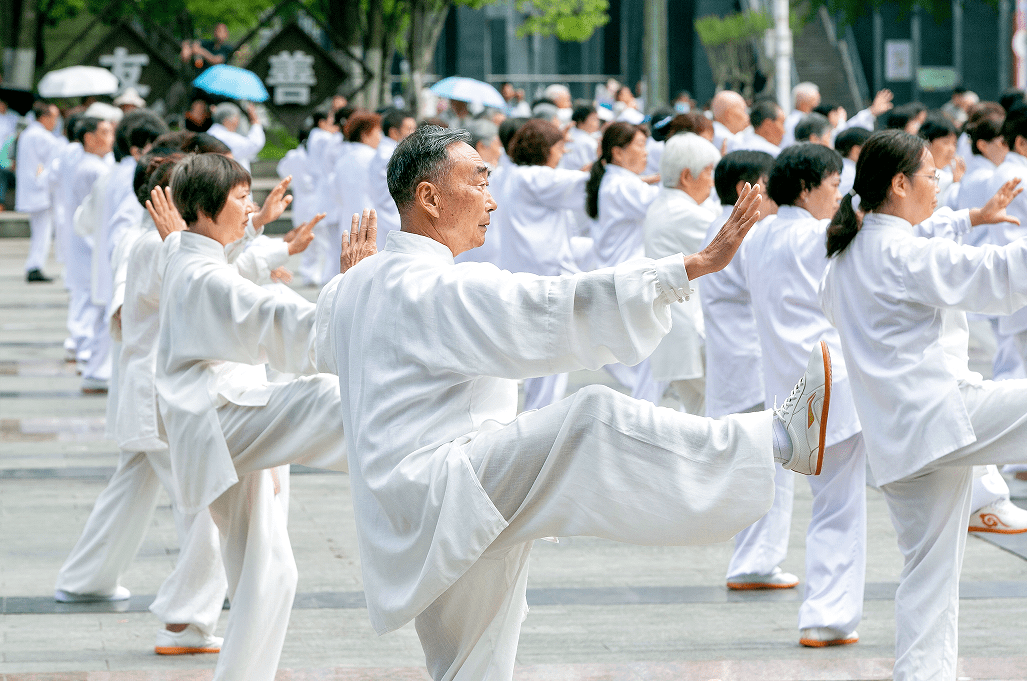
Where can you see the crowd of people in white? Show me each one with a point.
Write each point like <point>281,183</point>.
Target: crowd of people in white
<point>521,250</point>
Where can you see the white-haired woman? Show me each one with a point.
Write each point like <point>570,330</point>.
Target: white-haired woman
<point>676,222</point>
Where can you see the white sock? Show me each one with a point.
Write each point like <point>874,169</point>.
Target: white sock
<point>782,442</point>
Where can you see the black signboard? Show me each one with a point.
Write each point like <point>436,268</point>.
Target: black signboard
<point>299,75</point>
<point>130,57</point>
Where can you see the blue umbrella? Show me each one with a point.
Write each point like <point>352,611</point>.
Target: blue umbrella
<point>233,82</point>
<point>469,90</point>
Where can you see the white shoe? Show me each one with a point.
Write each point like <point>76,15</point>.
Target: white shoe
<point>804,413</point>
<point>1003,517</point>
<point>778,579</point>
<point>189,640</point>
<point>93,386</point>
<point>822,637</point>
<point>120,594</point>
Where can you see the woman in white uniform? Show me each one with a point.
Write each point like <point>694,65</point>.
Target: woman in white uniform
<point>617,199</point>
<point>784,262</point>
<point>899,302</point>
<point>542,201</point>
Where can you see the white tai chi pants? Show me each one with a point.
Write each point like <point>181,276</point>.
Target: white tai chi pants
<point>930,510</point>
<point>41,226</point>
<point>83,316</point>
<point>543,391</point>
<point>299,424</point>
<point>597,464</point>
<point>835,539</point>
<point>194,592</point>
<point>312,262</point>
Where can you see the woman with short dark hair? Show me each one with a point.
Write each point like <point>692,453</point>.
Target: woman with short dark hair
<point>784,261</point>
<point>899,302</point>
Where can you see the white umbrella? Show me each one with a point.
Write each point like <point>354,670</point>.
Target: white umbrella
<point>78,81</point>
<point>469,90</point>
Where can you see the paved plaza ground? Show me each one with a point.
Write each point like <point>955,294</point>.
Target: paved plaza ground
<point>599,610</point>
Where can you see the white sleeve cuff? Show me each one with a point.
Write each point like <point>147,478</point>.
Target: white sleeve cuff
<point>672,278</point>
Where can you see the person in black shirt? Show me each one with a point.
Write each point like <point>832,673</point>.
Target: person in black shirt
<point>205,53</point>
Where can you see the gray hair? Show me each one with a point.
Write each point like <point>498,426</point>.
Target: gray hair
<point>482,131</point>
<point>545,111</point>
<point>555,90</point>
<point>686,151</point>
<point>804,90</point>
<point>421,157</point>
<point>226,111</point>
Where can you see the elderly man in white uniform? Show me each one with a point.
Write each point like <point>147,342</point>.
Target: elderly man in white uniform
<point>245,148</point>
<point>450,485</point>
<point>227,426</point>
<point>730,117</point>
<point>37,148</point>
<point>805,98</point>
<point>676,222</point>
<point>767,120</point>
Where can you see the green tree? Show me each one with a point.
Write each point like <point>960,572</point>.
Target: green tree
<point>571,20</point>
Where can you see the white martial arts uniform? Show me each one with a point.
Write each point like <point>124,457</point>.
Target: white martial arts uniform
<point>378,189</point>
<point>449,493</point>
<point>227,425</point>
<point>675,223</point>
<point>581,150</point>
<point>304,207</point>
<point>540,208</point>
<point>244,147</point>
<point>904,337</point>
<point>84,316</point>
<point>784,263</point>
<point>617,237</point>
<point>350,193</point>
<point>60,191</point>
<point>749,140</point>
<point>848,176</point>
<point>37,148</point>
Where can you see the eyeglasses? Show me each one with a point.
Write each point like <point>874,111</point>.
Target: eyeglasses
<point>936,176</point>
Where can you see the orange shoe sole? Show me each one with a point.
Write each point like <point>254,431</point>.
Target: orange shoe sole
<point>758,586</point>
<point>994,530</point>
<point>813,643</point>
<point>827,404</point>
<point>176,650</point>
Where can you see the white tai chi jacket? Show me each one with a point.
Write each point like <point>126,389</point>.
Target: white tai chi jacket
<point>217,330</point>
<point>748,140</point>
<point>37,148</point>
<point>378,190</point>
<point>297,164</point>
<point>581,150</point>
<point>675,223</point>
<point>1001,234</point>
<point>431,359</point>
<point>904,332</point>
<point>623,200</point>
<point>734,372</point>
<point>784,263</point>
<point>244,147</point>
<point>350,184</point>
<point>540,203</point>
<point>974,192</point>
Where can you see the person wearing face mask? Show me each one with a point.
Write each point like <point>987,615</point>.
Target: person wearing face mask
<point>784,262</point>
<point>228,427</point>
<point>676,222</point>
<point>899,303</point>
<point>941,140</point>
<point>617,199</point>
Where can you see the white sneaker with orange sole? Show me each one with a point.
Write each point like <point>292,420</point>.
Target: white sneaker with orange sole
<point>804,413</point>
<point>189,640</point>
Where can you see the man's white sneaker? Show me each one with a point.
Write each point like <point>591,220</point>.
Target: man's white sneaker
<point>778,579</point>
<point>1003,517</point>
<point>822,637</point>
<point>189,640</point>
<point>804,413</point>
<point>120,594</point>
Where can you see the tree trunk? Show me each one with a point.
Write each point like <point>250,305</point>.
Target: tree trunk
<point>426,21</point>
<point>344,20</point>
<point>19,66</point>
<point>373,57</point>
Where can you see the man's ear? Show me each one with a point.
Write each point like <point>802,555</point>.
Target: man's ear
<point>427,195</point>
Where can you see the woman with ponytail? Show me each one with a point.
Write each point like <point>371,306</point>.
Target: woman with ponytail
<point>899,300</point>
<point>617,199</point>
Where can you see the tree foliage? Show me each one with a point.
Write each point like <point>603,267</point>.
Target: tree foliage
<point>571,20</point>
<point>850,10</point>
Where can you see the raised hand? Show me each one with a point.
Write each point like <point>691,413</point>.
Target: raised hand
<point>164,212</point>
<point>995,209</point>
<point>274,205</point>
<point>359,242</point>
<point>718,254</point>
<point>882,102</point>
<point>300,237</point>
<point>281,275</point>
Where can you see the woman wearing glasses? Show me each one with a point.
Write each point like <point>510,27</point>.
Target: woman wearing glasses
<point>899,301</point>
